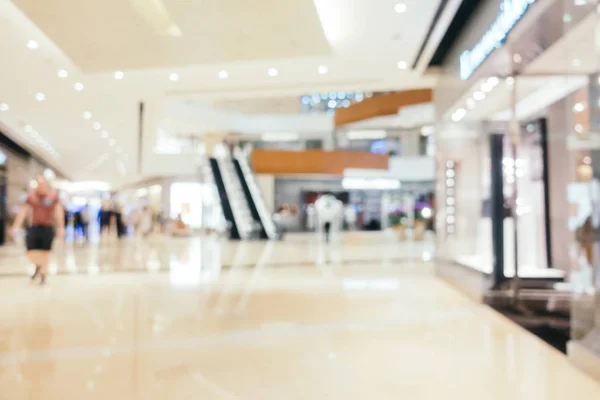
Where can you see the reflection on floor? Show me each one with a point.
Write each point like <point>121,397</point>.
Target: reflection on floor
<point>363,319</point>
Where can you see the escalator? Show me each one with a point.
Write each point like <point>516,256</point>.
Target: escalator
<point>253,196</point>
<point>234,233</point>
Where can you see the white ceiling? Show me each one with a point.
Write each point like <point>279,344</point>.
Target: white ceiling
<point>360,41</point>
<point>108,35</point>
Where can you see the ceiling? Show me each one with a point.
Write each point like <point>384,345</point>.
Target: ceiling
<point>209,31</point>
<point>360,42</point>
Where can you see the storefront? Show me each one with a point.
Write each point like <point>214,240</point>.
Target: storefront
<point>517,152</point>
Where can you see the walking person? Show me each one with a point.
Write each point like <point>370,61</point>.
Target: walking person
<point>45,214</point>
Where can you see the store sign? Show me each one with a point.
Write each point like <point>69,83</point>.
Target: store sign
<point>511,12</point>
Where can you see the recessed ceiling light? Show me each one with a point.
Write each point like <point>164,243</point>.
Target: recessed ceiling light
<point>87,115</point>
<point>581,2</point>
<point>493,81</point>
<point>322,69</point>
<point>223,75</point>
<point>510,81</point>
<point>479,95</point>
<point>174,77</point>
<point>576,62</point>
<point>402,65</point>
<point>272,72</point>
<point>579,107</point>
<point>471,103</point>
<point>28,128</point>
<point>579,128</point>
<point>32,44</point>
<point>567,18</point>
<point>4,107</point>
<point>62,73</point>
<point>112,142</point>
<point>40,96</point>
<point>97,126</point>
<point>104,134</point>
<point>517,58</point>
<point>78,87</point>
<point>119,75</point>
<point>400,8</point>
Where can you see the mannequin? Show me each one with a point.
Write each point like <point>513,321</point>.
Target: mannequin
<point>329,214</point>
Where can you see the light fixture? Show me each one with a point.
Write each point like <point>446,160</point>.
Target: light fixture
<point>223,75</point>
<point>471,103</point>
<point>97,126</point>
<point>400,8</point>
<point>32,44</point>
<point>104,134</point>
<point>581,2</point>
<point>402,65</point>
<point>62,73</point>
<point>459,114</point>
<point>579,107</point>
<point>272,72</point>
<point>579,128</point>
<point>322,69</point>
<point>517,58</point>
<point>479,95</point>
<point>87,115</point>
<point>486,87</point>
<point>366,134</point>
<point>279,137</point>
<point>28,128</point>
<point>78,87</point>
<point>493,81</point>
<point>427,130</point>
<point>576,62</point>
<point>587,160</point>
<point>510,81</point>
<point>331,103</point>
<point>360,183</point>
<point>112,142</point>
<point>40,96</point>
<point>174,77</point>
<point>119,75</point>
<point>4,107</point>
<point>567,18</point>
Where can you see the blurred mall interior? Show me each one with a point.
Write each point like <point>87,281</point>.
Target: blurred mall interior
<point>296,199</point>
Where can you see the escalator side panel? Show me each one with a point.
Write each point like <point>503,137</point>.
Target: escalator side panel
<point>249,199</point>
<point>234,234</point>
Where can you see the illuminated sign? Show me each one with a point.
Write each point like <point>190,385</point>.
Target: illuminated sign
<point>511,12</point>
<point>2,157</point>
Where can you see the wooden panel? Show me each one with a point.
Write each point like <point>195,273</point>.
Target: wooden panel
<point>386,104</point>
<point>314,162</point>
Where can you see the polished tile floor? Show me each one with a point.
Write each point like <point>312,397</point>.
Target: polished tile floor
<point>206,319</point>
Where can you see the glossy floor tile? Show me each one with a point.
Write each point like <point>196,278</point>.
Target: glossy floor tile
<point>207,319</point>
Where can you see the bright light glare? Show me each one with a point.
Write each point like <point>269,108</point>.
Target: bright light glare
<point>400,8</point>
<point>370,184</point>
<point>426,212</point>
<point>279,137</point>
<point>366,134</point>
